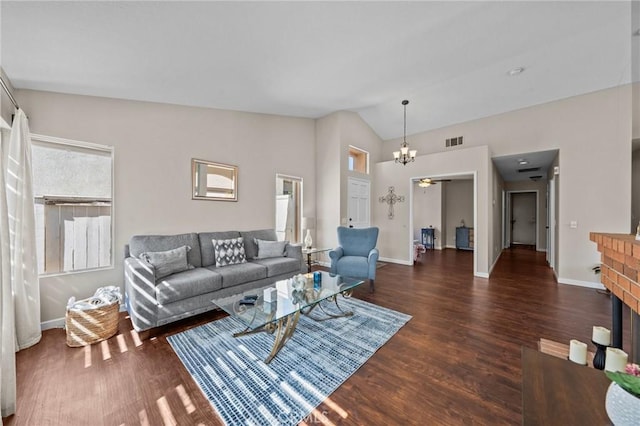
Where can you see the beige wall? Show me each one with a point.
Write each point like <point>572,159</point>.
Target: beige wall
<point>396,235</point>
<point>593,134</point>
<point>6,107</point>
<point>328,150</point>
<point>334,134</point>
<point>458,196</point>
<point>541,188</point>
<point>636,107</point>
<point>495,231</point>
<point>154,144</point>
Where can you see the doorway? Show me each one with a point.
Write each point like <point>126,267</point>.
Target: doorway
<point>551,224</point>
<point>288,208</point>
<point>523,218</point>
<point>520,219</point>
<point>358,205</point>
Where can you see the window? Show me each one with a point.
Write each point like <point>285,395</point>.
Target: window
<point>288,208</point>
<point>358,160</point>
<point>73,189</point>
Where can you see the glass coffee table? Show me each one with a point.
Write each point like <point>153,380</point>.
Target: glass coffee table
<point>280,317</point>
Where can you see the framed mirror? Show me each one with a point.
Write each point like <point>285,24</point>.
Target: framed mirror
<point>213,181</point>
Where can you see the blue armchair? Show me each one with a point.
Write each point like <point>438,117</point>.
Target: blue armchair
<point>356,255</point>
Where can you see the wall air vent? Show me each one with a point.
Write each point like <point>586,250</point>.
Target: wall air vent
<point>530,169</point>
<point>453,142</point>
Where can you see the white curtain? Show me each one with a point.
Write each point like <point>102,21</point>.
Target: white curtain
<point>7,329</point>
<point>20,286</point>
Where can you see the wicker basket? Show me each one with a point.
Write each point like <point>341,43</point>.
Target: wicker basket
<point>85,327</point>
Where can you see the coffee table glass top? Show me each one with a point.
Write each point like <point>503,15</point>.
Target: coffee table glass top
<point>288,301</point>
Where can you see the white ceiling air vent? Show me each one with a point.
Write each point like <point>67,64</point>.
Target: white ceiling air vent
<point>453,142</point>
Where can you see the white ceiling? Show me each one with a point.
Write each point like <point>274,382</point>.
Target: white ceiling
<point>307,59</point>
<point>512,171</point>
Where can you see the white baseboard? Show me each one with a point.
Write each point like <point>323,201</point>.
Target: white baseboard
<point>59,322</point>
<point>54,323</point>
<point>481,274</point>
<point>451,247</point>
<point>580,283</point>
<point>398,261</point>
<point>542,250</point>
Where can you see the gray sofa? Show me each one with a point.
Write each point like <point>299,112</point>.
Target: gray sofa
<point>154,302</point>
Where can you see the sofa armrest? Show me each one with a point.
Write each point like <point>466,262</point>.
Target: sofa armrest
<point>374,254</point>
<point>295,251</point>
<point>335,254</point>
<point>140,294</point>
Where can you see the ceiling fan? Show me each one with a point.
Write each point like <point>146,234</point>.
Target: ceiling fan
<point>426,182</point>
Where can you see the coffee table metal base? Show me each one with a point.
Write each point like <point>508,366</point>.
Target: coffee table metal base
<point>329,315</point>
<point>284,327</point>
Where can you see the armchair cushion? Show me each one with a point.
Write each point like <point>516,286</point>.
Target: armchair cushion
<point>357,241</point>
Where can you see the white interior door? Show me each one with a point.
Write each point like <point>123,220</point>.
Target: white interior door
<point>523,219</point>
<point>358,194</point>
<point>283,217</point>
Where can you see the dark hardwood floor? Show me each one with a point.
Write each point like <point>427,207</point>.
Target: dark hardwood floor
<point>456,362</point>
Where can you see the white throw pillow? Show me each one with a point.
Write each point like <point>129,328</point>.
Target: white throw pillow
<point>267,249</point>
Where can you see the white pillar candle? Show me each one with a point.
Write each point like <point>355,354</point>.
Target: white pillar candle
<point>578,352</point>
<point>601,335</point>
<point>616,360</point>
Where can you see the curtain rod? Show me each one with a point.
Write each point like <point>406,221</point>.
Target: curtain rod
<point>6,89</point>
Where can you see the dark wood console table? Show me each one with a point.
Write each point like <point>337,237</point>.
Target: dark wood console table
<point>558,392</point>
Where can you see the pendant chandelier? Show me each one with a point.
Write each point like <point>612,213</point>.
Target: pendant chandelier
<point>405,155</point>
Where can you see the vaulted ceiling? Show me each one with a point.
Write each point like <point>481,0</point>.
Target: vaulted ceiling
<point>307,59</point>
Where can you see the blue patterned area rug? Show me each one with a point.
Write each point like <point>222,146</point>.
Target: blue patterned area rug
<point>318,358</point>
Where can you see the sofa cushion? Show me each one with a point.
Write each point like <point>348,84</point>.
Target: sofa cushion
<point>167,262</point>
<point>267,249</point>
<point>250,246</point>
<point>279,265</point>
<point>146,243</point>
<point>240,274</point>
<point>229,252</point>
<point>206,244</point>
<point>187,284</point>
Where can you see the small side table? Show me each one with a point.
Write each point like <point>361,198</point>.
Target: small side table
<point>311,251</point>
<point>428,238</point>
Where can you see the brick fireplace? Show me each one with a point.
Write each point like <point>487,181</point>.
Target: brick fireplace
<point>620,272</point>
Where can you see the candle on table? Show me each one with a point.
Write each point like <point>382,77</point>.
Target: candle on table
<point>578,352</point>
<point>616,360</point>
<point>601,335</point>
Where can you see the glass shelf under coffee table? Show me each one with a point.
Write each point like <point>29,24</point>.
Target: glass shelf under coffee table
<point>281,316</point>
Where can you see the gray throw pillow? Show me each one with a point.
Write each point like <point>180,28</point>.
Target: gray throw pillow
<point>267,249</point>
<point>167,262</point>
<point>229,252</point>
